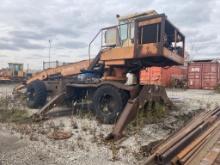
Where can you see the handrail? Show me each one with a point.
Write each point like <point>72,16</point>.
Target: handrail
<point>106,28</point>
<point>92,42</point>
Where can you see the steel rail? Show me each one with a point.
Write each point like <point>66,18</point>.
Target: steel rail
<point>184,144</point>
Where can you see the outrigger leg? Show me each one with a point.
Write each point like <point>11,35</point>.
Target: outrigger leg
<point>148,93</point>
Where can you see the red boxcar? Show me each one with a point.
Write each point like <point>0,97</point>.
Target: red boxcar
<point>203,74</point>
<point>161,76</point>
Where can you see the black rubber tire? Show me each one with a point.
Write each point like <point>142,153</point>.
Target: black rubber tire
<point>36,94</point>
<point>114,106</point>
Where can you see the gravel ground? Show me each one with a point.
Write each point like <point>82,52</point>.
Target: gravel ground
<point>29,144</point>
<point>193,99</point>
<point>6,89</point>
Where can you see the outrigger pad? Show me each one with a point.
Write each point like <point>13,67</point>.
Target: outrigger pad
<point>40,115</point>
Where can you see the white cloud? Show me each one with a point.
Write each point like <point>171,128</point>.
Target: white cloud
<point>27,25</point>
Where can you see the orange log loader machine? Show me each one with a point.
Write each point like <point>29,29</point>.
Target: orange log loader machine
<point>13,74</point>
<point>112,79</point>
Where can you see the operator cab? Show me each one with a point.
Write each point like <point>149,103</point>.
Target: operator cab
<point>147,35</point>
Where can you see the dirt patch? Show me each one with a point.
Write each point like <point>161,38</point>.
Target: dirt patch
<point>9,142</point>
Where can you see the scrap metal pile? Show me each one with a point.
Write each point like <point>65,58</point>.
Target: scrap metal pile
<point>191,144</point>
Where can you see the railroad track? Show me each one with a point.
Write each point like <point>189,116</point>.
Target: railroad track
<point>196,143</point>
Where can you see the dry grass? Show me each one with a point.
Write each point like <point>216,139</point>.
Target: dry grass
<point>148,115</point>
<point>217,88</point>
<point>13,116</point>
<point>114,149</point>
<point>12,112</point>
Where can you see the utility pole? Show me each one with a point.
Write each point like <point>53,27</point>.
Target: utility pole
<point>27,68</point>
<point>49,51</point>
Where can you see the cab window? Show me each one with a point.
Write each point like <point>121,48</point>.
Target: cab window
<point>110,37</point>
<point>132,31</point>
<point>123,31</point>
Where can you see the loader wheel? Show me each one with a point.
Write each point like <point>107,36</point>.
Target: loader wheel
<point>36,94</point>
<point>108,103</point>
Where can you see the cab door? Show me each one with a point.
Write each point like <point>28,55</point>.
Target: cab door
<point>126,33</point>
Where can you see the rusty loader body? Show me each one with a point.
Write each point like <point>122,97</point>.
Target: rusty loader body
<point>14,73</point>
<point>111,81</point>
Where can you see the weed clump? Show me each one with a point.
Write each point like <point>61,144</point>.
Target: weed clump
<point>217,88</point>
<point>151,113</point>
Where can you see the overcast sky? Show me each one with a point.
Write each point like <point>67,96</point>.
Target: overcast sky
<point>27,25</point>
